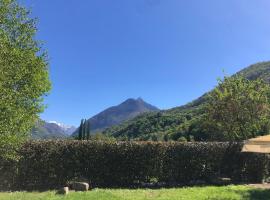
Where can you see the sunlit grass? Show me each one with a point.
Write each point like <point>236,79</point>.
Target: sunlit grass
<point>201,193</point>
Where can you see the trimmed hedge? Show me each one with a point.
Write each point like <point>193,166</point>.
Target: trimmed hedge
<point>51,164</point>
<point>186,162</point>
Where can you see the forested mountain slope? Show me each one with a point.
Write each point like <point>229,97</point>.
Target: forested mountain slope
<point>179,123</point>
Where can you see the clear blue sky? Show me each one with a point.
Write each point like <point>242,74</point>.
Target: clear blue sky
<point>168,52</point>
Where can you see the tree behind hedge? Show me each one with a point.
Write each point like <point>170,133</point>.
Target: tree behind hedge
<point>24,77</point>
<point>84,130</point>
<point>80,134</point>
<point>88,130</point>
<point>238,108</point>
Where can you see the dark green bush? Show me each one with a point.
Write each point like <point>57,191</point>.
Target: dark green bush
<point>51,164</point>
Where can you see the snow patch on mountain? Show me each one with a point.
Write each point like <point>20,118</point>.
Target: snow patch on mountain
<point>68,129</point>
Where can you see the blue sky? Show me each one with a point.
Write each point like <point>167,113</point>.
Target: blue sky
<point>168,52</point>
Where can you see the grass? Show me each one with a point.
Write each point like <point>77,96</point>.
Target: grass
<point>196,193</point>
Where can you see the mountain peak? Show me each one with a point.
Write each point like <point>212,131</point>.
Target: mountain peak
<point>139,99</point>
<point>138,105</point>
<point>115,115</point>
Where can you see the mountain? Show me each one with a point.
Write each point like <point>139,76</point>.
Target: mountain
<point>51,130</point>
<point>68,130</point>
<point>118,114</point>
<point>179,122</point>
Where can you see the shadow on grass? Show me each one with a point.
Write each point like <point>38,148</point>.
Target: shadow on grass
<point>257,194</point>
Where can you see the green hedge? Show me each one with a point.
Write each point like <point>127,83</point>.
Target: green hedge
<point>187,162</point>
<point>51,164</point>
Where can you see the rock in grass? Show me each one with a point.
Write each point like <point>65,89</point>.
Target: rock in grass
<point>80,186</point>
<point>221,181</point>
<point>63,191</point>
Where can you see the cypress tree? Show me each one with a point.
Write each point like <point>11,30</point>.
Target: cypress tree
<point>88,130</point>
<point>84,129</point>
<point>80,130</point>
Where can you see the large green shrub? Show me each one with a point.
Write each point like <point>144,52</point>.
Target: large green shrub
<point>238,109</point>
<point>51,164</point>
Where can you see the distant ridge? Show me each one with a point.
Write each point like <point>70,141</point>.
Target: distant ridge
<point>51,130</point>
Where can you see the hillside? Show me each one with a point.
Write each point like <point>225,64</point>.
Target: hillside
<point>118,114</point>
<point>180,122</point>
<point>51,130</point>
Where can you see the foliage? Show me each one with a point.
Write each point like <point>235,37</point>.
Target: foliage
<point>23,76</point>
<point>239,108</point>
<point>51,164</point>
<point>88,129</point>
<point>188,193</point>
<point>102,137</point>
<point>81,129</point>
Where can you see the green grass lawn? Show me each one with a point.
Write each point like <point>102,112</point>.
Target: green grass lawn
<point>197,193</point>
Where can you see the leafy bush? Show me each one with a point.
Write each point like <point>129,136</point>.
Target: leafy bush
<point>51,164</point>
